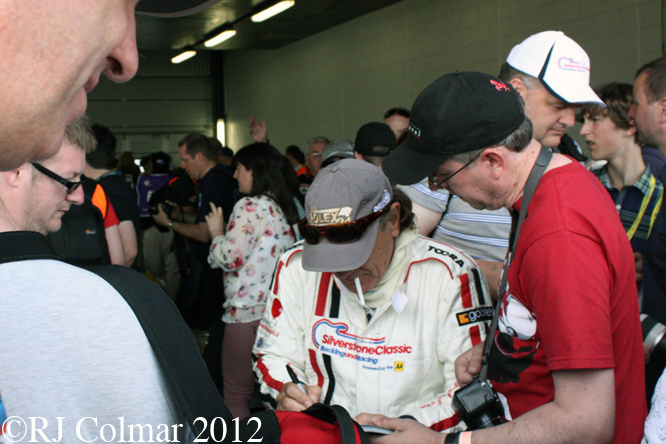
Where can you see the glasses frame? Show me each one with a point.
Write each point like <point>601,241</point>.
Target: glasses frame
<point>71,186</point>
<point>362,225</point>
<point>432,177</point>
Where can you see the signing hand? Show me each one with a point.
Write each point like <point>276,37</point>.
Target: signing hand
<point>215,221</point>
<point>258,130</point>
<point>293,399</point>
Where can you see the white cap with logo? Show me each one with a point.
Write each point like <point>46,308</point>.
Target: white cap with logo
<point>562,66</point>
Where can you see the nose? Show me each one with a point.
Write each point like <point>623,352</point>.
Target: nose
<point>124,60</point>
<point>76,198</point>
<point>568,116</point>
<point>585,129</point>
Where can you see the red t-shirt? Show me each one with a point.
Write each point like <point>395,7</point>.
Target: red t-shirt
<point>571,302</point>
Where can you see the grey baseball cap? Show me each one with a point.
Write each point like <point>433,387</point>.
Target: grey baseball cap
<point>344,192</point>
<point>338,148</point>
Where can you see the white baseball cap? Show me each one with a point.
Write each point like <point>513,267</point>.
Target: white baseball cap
<point>561,65</point>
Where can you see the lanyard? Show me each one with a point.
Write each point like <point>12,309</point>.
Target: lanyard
<point>530,187</point>
<point>641,211</point>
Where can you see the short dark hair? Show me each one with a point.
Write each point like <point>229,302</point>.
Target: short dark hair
<point>618,98</point>
<point>296,153</point>
<point>199,143</point>
<point>104,155</point>
<point>508,72</point>
<point>404,112</point>
<point>655,80</point>
<point>217,145</point>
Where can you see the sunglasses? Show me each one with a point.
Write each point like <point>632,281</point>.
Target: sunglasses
<point>338,233</point>
<point>71,186</point>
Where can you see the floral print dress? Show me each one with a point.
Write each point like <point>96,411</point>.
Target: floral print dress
<point>258,233</point>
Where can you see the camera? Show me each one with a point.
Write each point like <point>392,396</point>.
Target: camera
<point>653,338</point>
<point>166,206</point>
<point>478,405</point>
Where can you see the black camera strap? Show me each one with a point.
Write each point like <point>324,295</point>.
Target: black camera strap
<point>530,187</point>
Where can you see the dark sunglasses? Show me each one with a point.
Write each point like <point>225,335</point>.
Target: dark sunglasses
<point>338,233</point>
<point>71,186</point>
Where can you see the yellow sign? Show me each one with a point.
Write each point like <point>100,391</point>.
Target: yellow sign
<point>399,366</point>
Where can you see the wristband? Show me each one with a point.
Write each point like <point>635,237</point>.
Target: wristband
<point>452,438</point>
<point>465,438</point>
<point>170,225</point>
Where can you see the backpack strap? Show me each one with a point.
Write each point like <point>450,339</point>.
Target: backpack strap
<point>24,246</point>
<point>173,345</point>
<point>333,413</point>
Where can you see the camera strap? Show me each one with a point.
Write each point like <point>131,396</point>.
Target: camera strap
<point>530,187</point>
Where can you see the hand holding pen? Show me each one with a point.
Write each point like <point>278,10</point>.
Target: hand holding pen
<point>295,380</point>
<point>297,396</point>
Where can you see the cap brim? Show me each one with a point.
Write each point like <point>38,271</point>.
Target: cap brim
<point>572,93</point>
<point>328,257</point>
<point>406,166</point>
<point>173,8</point>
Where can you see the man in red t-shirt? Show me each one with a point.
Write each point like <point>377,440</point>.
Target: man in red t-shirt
<point>569,334</point>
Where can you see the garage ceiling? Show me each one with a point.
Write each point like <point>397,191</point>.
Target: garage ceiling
<point>305,18</point>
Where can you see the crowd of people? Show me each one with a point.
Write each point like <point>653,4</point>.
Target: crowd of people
<point>458,272</point>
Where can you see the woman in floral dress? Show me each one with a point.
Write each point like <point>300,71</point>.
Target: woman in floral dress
<point>259,231</point>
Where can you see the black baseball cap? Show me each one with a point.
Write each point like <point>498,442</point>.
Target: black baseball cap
<point>173,8</point>
<point>459,112</point>
<point>374,139</point>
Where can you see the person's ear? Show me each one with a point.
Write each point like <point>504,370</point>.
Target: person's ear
<point>494,160</point>
<point>394,220</point>
<point>519,86</point>
<point>15,177</point>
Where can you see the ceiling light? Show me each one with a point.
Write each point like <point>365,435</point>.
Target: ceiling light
<point>226,35</point>
<point>273,10</point>
<point>183,56</point>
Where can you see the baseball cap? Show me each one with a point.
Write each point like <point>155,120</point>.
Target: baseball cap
<point>459,112</point>
<point>173,8</point>
<point>338,148</point>
<point>226,151</point>
<point>561,65</point>
<point>374,139</point>
<point>344,192</point>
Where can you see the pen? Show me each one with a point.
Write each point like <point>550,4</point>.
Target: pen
<point>295,380</point>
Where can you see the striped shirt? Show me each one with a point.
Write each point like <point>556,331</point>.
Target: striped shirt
<point>637,204</point>
<point>483,234</point>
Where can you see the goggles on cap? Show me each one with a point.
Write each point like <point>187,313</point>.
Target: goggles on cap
<point>338,233</point>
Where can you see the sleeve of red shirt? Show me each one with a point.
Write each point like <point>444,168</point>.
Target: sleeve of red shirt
<point>570,298</point>
<point>111,219</point>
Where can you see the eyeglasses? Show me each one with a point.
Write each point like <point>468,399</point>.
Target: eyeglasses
<point>338,233</point>
<point>71,186</point>
<point>432,177</point>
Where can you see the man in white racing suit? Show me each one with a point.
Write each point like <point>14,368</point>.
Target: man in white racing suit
<point>368,314</point>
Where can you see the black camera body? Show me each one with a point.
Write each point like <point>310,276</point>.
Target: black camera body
<point>478,405</point>
<point>166,206</point>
